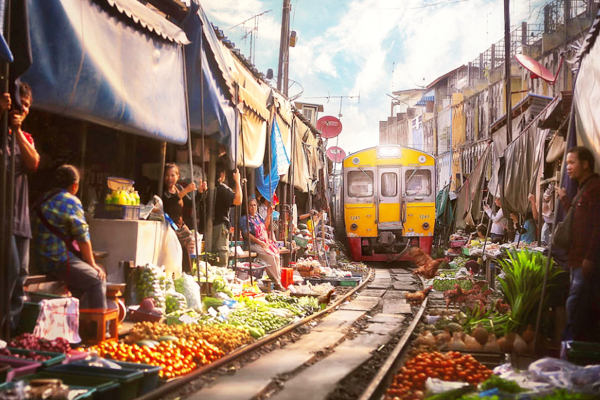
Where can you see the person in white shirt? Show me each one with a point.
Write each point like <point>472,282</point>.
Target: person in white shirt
<point>498,221</point>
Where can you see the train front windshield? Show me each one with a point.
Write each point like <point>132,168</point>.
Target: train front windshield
<point>360,184</point>
<point>418,183</point>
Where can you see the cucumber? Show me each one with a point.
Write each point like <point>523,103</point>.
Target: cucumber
<point>167,338</point>
<point>149,343</point>
<point>255,333</point>
<point>453,394</point>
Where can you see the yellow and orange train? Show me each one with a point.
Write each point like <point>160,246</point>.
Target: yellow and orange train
<point>388,197</point>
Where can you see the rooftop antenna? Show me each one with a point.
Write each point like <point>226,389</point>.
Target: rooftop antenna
<point>328,97</point>
<point>252,33</point>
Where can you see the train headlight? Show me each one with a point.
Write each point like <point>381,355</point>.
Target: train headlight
<point>422,159</point>
<point>354,227</point>
<point>426,225</point>
<point>388,151</point>
<point>356,161</point>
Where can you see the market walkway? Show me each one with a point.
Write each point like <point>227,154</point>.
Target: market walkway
<point>308,373</point>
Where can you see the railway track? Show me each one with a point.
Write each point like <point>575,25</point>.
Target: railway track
<point>347,351</point>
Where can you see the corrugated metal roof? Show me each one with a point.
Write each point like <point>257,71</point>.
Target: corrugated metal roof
<point>590,39</point>
<point>150,20</point>
<point>424,100</point>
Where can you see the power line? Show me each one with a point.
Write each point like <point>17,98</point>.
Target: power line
<point>442,3</point>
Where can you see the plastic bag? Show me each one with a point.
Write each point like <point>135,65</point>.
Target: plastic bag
<point>152,282</point>
<point>566,375</point>
<point>187,286</point>
<point>157,212</point>
<point>434,385</point>
<point>175,301</point>
<point>171,253</point>
<point>58,318</point>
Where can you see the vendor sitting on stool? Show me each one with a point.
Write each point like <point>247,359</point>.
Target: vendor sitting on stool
<point>59,227</point>
<point>260,242</point>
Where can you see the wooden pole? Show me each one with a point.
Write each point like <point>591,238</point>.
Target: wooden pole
<point>6,199</point>
<point>507,73</point>
<point>283,47</point>
<point>212,176</point>
<point>161,173</point>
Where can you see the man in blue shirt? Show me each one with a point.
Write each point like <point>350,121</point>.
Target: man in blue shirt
<point>59,228</point>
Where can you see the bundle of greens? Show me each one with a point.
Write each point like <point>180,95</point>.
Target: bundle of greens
<point>522,285</point>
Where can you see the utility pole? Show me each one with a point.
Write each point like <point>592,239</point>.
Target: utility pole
<point>507,70</point>
<point>284,49</point>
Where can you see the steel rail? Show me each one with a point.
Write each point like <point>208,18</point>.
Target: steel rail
<point>179,382</point>
<point>387,370</point>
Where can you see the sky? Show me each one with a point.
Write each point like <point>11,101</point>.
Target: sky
<point>364,50</point>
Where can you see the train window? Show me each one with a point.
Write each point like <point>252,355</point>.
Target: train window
<point>389,184</point>
<point>418,183</point>
<point>360,183</point>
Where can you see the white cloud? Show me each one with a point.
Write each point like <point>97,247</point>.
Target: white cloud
<point>350,47</point>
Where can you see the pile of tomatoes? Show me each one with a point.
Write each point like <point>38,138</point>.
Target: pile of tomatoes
<point>176,358</point>
<point>409,383</point>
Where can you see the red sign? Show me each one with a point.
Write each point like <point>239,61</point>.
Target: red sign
<point>336,154</point>
<point>329,126</point>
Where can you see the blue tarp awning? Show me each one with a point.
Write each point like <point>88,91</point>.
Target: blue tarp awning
<point>114,63</point>
<point>424,100</point>
<point>216,94</point>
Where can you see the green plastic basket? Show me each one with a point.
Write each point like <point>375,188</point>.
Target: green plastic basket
<point>129,380</point>
<point>55,358</point>
<point>300,241</point>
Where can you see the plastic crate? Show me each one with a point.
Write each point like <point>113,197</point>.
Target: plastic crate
<point>458,243</point>
<point>287,277</point>
<point>4,370</point>
<point>55,358</point>
<point>349,281</point>
<point>583,353</point>
<point>76,356</point>
<point>10,385</point>
<point>150,379</point>
<point>116,211</point>
<point>100,387</point>
<point>29,316</point>
<point>243,271</point>
<point>130,380</point>
<point>36,297</point>
<point>19,367</point>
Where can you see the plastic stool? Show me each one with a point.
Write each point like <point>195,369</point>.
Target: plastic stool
<point>287,277</point>
<point>93,325</point>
